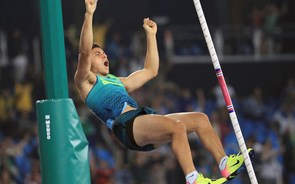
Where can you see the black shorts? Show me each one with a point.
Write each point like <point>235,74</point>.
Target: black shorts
<point>123,128</point>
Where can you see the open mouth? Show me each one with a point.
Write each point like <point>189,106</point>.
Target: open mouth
<point>106,63</point>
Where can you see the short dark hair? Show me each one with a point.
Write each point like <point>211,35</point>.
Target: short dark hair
<point>95,45</point>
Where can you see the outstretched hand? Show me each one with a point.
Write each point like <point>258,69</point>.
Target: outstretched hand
<point>149,26</point>
<point>91,5</point>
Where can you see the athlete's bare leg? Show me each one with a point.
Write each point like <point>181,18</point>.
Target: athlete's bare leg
<point>159,129</point>
<point>200,124</point>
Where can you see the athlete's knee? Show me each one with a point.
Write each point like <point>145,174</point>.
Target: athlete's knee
<point>179,127</point>
<point>202,119</point>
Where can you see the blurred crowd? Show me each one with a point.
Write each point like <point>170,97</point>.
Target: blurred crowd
<point>264,30</point>
<point>267,122</point>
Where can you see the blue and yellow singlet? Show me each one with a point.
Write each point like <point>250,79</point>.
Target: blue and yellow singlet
<point>108,98</point>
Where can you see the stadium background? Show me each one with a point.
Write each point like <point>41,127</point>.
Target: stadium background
<point>255,44</point>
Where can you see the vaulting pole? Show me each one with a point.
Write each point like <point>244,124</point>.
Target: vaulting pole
<point>225,93</point>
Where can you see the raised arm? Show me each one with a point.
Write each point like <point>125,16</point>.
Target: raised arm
<point>151,64</point>
<point>85,45</point>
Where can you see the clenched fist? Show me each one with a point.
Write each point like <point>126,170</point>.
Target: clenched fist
<point>149,26</point>
<point>90,6</point>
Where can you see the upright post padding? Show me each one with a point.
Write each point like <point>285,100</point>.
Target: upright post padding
<point>63,144</point>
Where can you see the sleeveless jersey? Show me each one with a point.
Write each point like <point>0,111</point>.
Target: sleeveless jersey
<point>108,98</point>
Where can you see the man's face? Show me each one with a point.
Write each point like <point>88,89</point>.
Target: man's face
<point>99,62</point>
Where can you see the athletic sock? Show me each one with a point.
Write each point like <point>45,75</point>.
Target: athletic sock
<point>191,177</point>
<point>223,162</point>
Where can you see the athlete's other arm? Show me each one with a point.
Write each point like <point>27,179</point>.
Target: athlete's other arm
<point>83,73</point>
<point>151,64</point>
